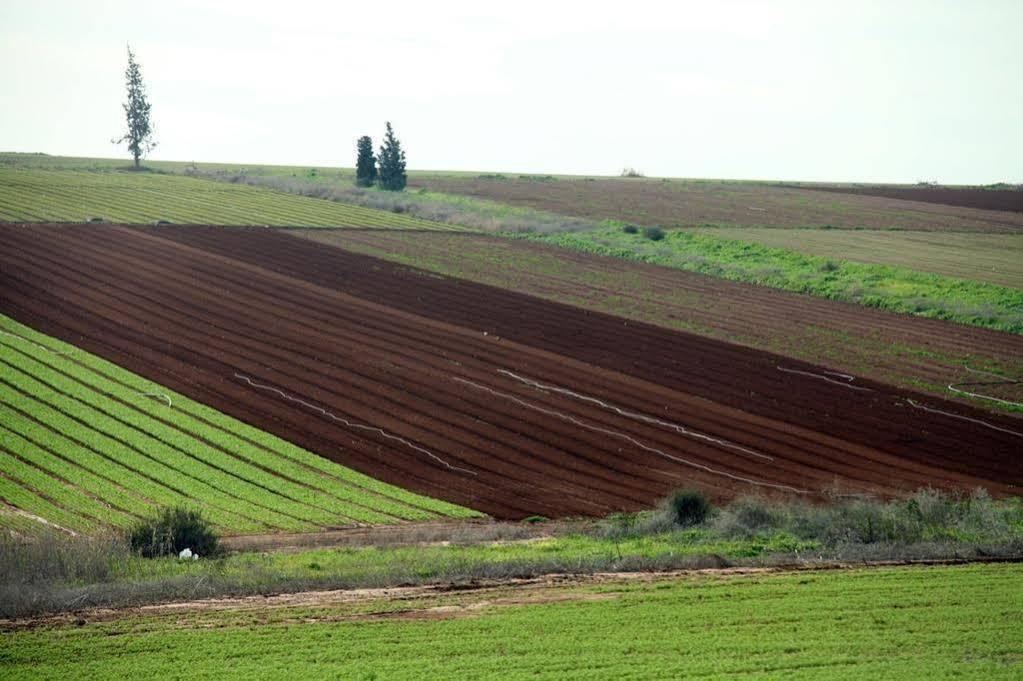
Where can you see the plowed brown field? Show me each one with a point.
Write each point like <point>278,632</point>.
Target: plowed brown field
<point>682,203</point>
<point>487,398</point>
<point>913,352</point>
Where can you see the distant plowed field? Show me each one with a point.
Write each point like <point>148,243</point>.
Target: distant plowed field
<point>971,197</point>
<point>682,203</point>
<point>913,352</point>
<point>490,399</point>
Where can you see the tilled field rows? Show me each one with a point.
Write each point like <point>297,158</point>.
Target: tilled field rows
<point>539,414</point>
<point>849,337</point>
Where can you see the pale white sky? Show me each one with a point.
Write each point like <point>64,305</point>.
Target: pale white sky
<point>863,91</point>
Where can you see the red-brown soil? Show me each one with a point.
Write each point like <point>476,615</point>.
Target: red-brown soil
<point>969,197</point>
<point>250,321</point>
<point>681,203</point>
<point>912,352</point>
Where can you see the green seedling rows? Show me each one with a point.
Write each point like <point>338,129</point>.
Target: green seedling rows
<point>141,198</point>
<point>85,444</point>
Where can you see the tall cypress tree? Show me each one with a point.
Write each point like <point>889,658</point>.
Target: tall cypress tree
<point>366,163</point>
<point>392,163</point>
<point>139,135</point>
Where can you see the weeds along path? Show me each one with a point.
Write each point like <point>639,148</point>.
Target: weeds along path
<point>489,399</point>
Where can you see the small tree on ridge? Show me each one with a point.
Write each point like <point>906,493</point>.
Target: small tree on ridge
<point>392,163</point>
<point>366,163</point>
<point>139,135</point>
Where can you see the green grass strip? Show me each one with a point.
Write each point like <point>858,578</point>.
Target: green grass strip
<point>937,622</point>
<point>881,286</point>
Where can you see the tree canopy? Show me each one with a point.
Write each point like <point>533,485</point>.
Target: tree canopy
<point>139,135</point>
<point>392,163</point>
<point>366,163</point>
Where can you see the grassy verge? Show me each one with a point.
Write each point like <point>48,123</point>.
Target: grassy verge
<point>880,286</point>
<point>994,258</point>
<point>448,209</point>
<point>47,576</point>
<point>934,622</point>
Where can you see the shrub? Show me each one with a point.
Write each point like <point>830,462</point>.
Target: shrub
<point>630,229</point>
<point>631,172</point>
<point>172,531</point>
<point>653,233</point>
<point>687,508</point>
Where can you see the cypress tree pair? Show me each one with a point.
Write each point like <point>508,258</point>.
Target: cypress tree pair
<point>391,161</point>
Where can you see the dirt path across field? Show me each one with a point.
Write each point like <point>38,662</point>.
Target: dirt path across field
<point>428,602</point>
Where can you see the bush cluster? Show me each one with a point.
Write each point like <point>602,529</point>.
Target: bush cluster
<point>172,531</point>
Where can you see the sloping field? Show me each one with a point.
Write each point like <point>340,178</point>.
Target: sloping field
<point>994,258</point>
<point>127,197</point>
<point>488,399</point>
<point>912,352</point>
<point>85,444</point>
<point>895,623</point>
<point>695,203</point>
<point>972,197</point>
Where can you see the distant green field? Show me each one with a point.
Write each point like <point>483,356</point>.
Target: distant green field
<point>35,195</point>
<point>85,444</point>
<point>882,286</point>
<point>909,622</point>
<point>994,258</point>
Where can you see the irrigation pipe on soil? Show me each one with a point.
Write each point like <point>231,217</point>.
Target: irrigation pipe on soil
<point>1003,381</point>
<point>351,424</point>
<point>964,418</point>
<point>845,383</point>
<point>634,415</point>
<point>627,438</point>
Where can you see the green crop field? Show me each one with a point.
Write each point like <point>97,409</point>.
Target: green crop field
<point>881,286</point>
<point>923,622</point>
<point>994,258</point>
<point>40,195</point>
<point>85,444</point>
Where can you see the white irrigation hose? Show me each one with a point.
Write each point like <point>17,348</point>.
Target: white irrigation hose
<point>844,384</point>
<point>162,396</point>
<point>993,375</point>
<point>42,347</point>
<point>627,438</point>
<point>1004,381</point>
<point>984,397</point>
<point>351,424</point>
<point>637,416</point>
<point>964,418</point>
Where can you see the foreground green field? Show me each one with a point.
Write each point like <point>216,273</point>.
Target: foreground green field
<point>880,286</point>
<point>85,445</point>
<point>35,195</point>
<point>934,622</point>
<point>994,258</point>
